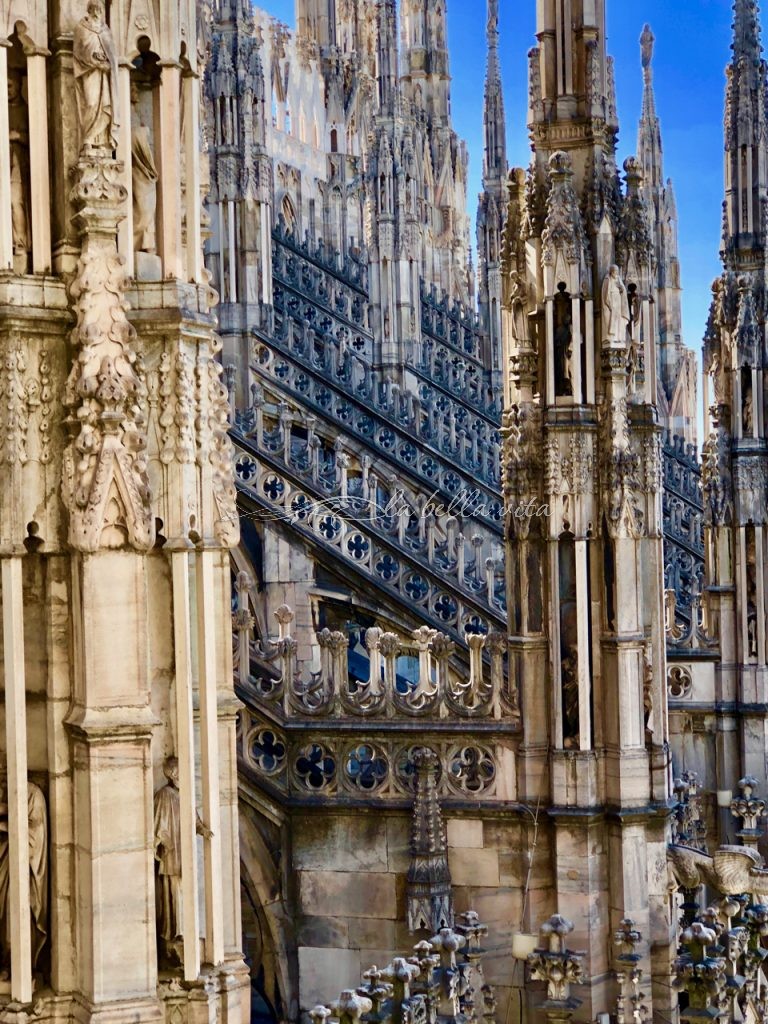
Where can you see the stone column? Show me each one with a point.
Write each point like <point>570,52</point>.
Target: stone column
<point>185,753</point>
<point>583,610</point>
<point>6,236</point>
<point>578,366</point>
<point>169,207</point>
<point>16,749</point>
<point>106,495</point>
<point>194,247</point>
<point>589,317</point>
<point>40,198</point>
<point>124,155</point>
<point>550,351</point>
<point>209,753</point>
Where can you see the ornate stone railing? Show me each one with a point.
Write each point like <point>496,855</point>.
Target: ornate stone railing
<point>439,690</point>
<point>450,322</point>
<point>343,325</point>
<point>318,760</point>
<point>449,354</point>
<point>348,271</point>
<point>330,734</point>
<point>408,453</point>
<point>683,635</point>
<point>435,417</point>
<point>721,955</point>
<point>445,382</point>
<point>683,512</point>
<point>370,523</point>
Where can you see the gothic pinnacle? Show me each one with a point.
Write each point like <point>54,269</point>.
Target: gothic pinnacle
<point>492,26</point>
<point>746,43</point>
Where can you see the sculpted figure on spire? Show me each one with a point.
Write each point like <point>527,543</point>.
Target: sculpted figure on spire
<point>647,39</point>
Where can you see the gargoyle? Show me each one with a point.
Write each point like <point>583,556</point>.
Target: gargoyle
<point>731,871</point>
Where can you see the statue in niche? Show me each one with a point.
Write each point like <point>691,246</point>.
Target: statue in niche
<point>18,124</point>
<point>168,857</point>
<point>569,643</point>
<point>752,630</point>
<point>751,593</point>
<point>717,373</point>
<point>144,181</point>
<point>37,825</point>
<point>563,344</point>
<point>633,352</point>
<point>570,682</point>
<point>748,414</point>
<point>95,69</point>
<point>517,302</point>
<point>648,698</point>
<point>615,308</point>
<point>632,362</point>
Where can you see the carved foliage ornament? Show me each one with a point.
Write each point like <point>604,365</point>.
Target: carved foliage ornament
<point>563,229</point>
<point>105,472</point>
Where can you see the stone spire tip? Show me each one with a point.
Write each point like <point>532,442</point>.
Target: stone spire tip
<point>747,41</point>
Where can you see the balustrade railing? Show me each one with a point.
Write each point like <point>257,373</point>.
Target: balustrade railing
<point>406,544</point>
<point>402,434</point>
<point>347,731</point>
<point>431,417</point>
<point>451,322</point>
<point>432,688</point>
<point>350,270</point>
<point>683,515</point>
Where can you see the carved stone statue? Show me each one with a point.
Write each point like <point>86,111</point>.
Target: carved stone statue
<point>517,302</point>
<point>615,307</point>
<point>632,364</point>
<point>95,68</point>
<point>18,124</point>
<point>37,824</point>
<point>168,857</point>
<point>144,181</point>
<point>564,357</point>
<point>647,39</point>
<point>748,421</point>
<point>570,684</point>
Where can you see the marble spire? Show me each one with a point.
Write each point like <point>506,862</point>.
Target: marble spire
<point>495,154</point>
<point>746,169</point>
<point>649,149</point>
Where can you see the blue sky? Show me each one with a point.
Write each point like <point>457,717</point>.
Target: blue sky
<point>692,48</point>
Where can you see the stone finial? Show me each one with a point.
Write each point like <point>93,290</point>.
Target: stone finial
<point>688,826</point>
<point>376,989</point>
<point>627,938</point>
<point>429,903</point>
<point>401,974</point>
<point>750,809</point>
<point>629,974</point>
<point>472,930</point>
<point>350,1007</point>
<point>284,617</point>
<point>701,976</point>
<point>318,1014</point>
<point>558,966</point>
